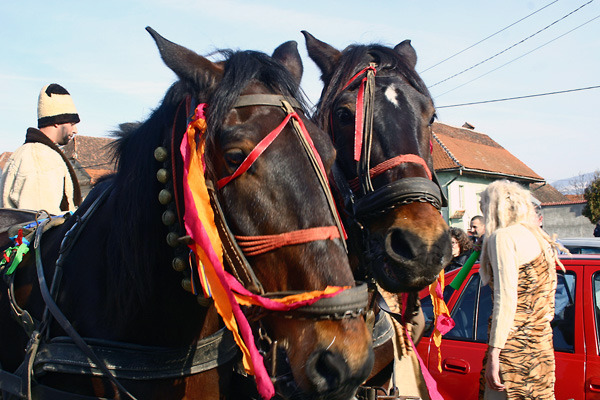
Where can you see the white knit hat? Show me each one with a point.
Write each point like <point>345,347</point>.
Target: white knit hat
<point>55,106</point>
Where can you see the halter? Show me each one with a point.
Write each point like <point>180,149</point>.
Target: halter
<point>400,192</point>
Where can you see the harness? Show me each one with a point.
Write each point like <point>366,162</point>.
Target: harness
<point>117,360</point>
<point>94,357</point>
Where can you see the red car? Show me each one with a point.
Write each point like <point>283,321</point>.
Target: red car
<point>576,333</point>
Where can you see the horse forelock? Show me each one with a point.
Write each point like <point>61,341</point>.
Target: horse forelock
<point>241,69</point>
<point>355,58</point>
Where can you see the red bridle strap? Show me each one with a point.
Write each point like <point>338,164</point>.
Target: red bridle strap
<point>360,110</point>
<point>266,142</point>
<point>391,163</point>
<point>255,245</point>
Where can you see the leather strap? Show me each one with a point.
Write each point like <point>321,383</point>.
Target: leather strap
<point>53,308</point>
<point>131,361</point>
<point>265,100</point>
<point>402,191</point>
<point>348,303</point>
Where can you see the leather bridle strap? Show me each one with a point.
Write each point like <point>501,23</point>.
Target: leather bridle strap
<point>386,196</point>
<point>391,163</point>
<point>265,100</point>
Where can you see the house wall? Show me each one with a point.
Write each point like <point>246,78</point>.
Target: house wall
<point>566,221</point>
<point>463,192</point>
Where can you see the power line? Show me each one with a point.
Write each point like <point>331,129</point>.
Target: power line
<point>483,40</point>
<point>508,48</point>
<point>520,97</point>
<point>515,59</point>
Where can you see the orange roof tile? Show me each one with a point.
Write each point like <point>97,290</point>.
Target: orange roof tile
<point>475,151</point>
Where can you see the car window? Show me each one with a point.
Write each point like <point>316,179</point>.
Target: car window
<point>563,324</point>
<point>484,312</point>
<point>464,312</point>
<point>596,282</point>
<point>590,250</point>
<point>427,308</point>
<point>473,309</point>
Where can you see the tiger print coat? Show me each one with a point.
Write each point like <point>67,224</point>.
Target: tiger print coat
<point>527,359</point>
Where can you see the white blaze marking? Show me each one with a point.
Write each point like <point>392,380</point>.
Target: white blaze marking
<point>390,94</point>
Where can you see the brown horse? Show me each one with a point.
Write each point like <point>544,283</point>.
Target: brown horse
<point>109,263</point>
<point>379,112</point>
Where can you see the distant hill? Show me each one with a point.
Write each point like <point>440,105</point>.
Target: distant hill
<point>575,184</point>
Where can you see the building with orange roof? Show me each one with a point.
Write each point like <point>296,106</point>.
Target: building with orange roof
<point>466,161</point>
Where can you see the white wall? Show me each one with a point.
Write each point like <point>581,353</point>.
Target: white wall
<point>463,195</point>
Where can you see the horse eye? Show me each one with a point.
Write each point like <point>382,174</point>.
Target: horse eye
<point>433,118</point>
<point>234,157</point>
<point>344,116</point>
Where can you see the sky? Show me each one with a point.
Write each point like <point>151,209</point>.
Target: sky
<point>100,52</point>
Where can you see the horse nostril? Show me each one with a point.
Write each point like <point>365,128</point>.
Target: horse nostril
<point>398,244</point>
<point>326,370</point>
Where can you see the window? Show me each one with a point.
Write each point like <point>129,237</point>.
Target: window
<point>596,283</point>
<point>466,313</point>
<point>563,324</point>
<point>473,309</point>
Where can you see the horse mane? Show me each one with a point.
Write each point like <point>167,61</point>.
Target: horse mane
<point>137,247</point>
<point>354,58</point>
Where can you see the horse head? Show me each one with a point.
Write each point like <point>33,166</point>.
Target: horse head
<point>268,164</point>
<point>378,112</point>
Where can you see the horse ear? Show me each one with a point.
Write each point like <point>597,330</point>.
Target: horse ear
<point>288,55</point>
<point>188,65</point>
<point>407,52</point>
<point>324,55</point>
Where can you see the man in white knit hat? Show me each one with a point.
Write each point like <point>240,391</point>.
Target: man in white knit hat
<point>38,176</point>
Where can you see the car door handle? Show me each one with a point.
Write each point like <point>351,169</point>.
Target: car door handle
<point>456,365</point>
<point>594,385</point>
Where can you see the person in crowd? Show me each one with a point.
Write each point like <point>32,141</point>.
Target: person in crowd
<point>38,176</point>
<point>519,262</point>
<point>597,229</point>
<point>461,248</point>
<point>477,229</point>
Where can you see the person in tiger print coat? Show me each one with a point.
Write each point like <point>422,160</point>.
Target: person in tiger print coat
<point>519,263</point>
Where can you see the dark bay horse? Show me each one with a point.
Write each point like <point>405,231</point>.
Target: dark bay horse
<point>117,274</point>
<point>378,113</point>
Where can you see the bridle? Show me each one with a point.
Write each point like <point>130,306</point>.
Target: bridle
<point>255,245</point>
<point>237,247</point>
<point>349,303</point>
<point>367,201</point>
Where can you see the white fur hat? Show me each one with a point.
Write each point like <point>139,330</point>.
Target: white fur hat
<point>55,106</point>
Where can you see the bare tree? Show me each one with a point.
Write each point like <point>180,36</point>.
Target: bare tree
<point>578,184</point>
